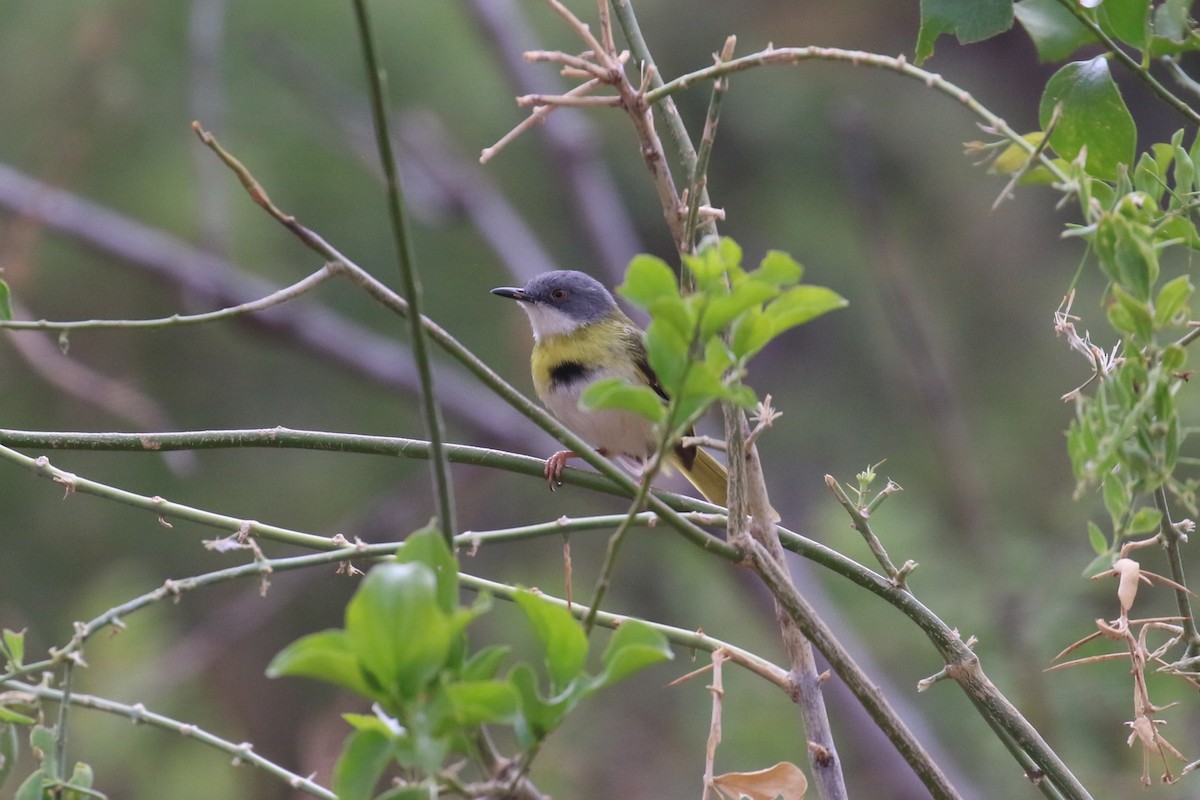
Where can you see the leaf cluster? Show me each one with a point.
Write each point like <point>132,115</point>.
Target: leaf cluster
<point>404,647</point>
<point>700,340</point>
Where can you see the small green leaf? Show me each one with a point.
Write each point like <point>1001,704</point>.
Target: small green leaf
<point>31,787</point>
<point>647,280</point>
<point>9,749</point>
<point>614,393</point>
<point>1055,31</point>
<point>42,740</point>
<point>7,715</point>
<point>1148,178</point>
<point>778,269</point>
<point>1093,116</point>
<point>427,546</point>
<point>1138,312</point>
<point>1097,539</point>
<point>634,646</point>
<point>477,703</point>
<point>1185,171</point>
<point>5,303</point>
<point>397,629</point>
<point>1116,498</point>
<point>538,717</point>
<point>364,757</point>
<point>325,656</point>
<point>722,310</point>
<point>1172,300</point>
<point>751,334</point>
<point>969,20</point>
<point>486,663</point>
<point>1145,520</point>
<point>801,304</point>
<point>372,722</point>
<point>81,776</point>
<point>561,636</point>
<point>1173,358</point>
<point>13,645</point>
<point>1127,255</point>
<point>667,352</point>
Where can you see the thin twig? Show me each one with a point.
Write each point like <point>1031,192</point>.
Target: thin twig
<point>698,184</point>
<point>430,407</point>
<point>139,714</point>
<point>287,293</point>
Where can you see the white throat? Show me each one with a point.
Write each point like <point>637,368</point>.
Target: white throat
<point>547,321</point>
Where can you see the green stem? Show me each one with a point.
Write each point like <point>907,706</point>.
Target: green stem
<point>434,428</point>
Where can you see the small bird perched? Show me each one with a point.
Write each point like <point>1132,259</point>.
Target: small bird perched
<point>580,336</point>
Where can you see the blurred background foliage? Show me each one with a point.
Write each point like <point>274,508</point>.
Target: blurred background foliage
<point>945,364</point>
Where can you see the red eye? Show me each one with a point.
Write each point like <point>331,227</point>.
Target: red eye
<point>558,294</point>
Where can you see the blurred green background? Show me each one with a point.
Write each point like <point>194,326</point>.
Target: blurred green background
<point>945,364</point>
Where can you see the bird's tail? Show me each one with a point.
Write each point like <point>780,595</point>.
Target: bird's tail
<point>708,476</point>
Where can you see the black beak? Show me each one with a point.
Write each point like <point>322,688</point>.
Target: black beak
<point>511,292</point>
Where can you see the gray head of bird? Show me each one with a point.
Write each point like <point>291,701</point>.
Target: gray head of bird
<point>559,302</point>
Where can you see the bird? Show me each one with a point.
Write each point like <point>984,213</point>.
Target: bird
<point>581,336</point>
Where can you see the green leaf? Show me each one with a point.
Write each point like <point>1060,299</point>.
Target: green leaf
<point>1148,178</point>
<point>476,703</point>
<point>486,663</point>
<point>969,20</point>
<point>562,638</point>
<point>325,656</point>
<point>1185,172</point>
<point>721,310</point>
<point>427,546</point>
<point>1055,31</point>
<point>538,717</point>
<point>1172,300</point>
<point>648,279</point>
<point>634,646</point>
<point>801,304</point>
<point>364,757</point>
<point>7,715</point>
<point>1171,20</point>
<point>1127,254</point>
<point>1093,116</point>
<point>44,746</point>
<point>1097,539</point>
<point>778,269</point>
<point>1127,20</point>
<point>81,776</point>
<point>1173,358</point>
<point>751,334</point>
<point>31,787</point>
<point>1137,311</point>
<point>13,643</point>
<point>397,629</point>
<point>5,302</point>
<point>614,393</point>
<point>372,722</point>
<point>9,748</point>
<point>667,352</point>
<point>1116,498</point>
<point>1145,520</point>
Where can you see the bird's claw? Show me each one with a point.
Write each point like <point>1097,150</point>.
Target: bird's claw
<point>554,467</point>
